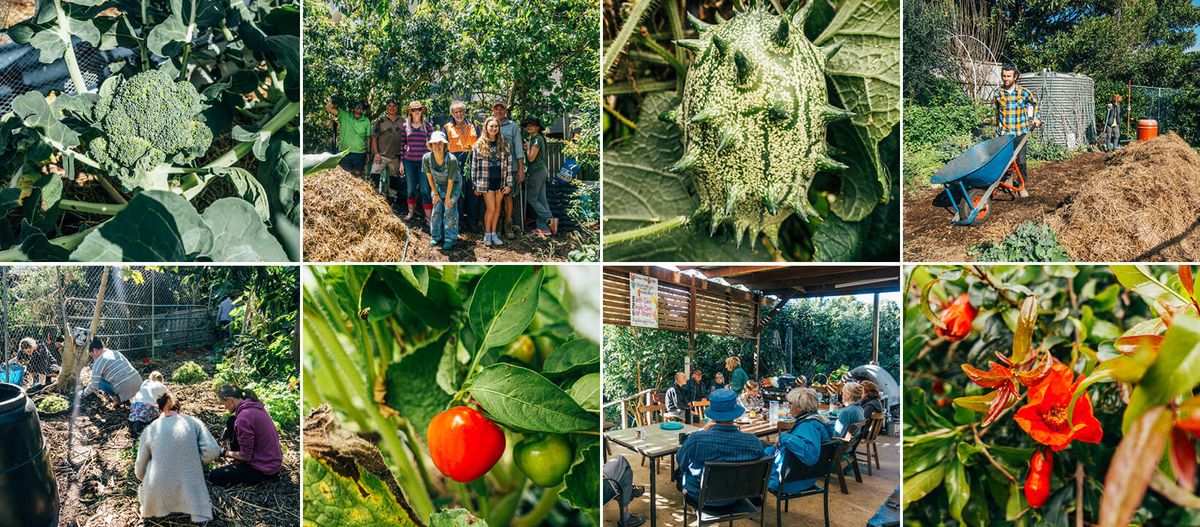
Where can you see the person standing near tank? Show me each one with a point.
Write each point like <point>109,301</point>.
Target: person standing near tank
<point>1016,109</point>
<point>1112,123</point>
<point>387,146</point>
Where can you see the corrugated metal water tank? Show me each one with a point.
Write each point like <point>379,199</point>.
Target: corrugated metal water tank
<point>1067,103</point>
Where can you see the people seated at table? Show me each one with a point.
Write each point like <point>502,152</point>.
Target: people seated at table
<point>803,440</point>
<point>143,408</point>
<point>751,397</point>
<point>170,464</point>
<point>695,388</point>
<point>252,437</point>
<point>112,375</point>
<point>618,483</point>
<point>719,440</point>
<point>718,383</point>
<point>737,376</point>
<point>872,401</point>
<point>676,398</point>
<point>852,394</point>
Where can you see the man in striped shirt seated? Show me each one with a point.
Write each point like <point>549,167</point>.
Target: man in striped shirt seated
<point>720,440</point>
<point>112,375</point>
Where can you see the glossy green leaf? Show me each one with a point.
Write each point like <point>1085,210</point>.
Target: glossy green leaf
<point>582,488</point>
<point>504,303</point>
<point>412,387</point>
<point>572,356</point>
<point>1176,372</point>
<point>922,483</point>
<point>1139,279</point>
<point>586,391</point>
<point>521,398</point>
<point>958,487</point>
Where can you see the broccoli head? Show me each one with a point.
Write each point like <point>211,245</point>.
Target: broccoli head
<point>145,121</point>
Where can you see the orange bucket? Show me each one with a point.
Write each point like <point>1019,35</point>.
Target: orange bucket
<point>1147,129</point>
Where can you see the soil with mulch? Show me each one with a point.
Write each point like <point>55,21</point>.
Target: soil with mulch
<point>1135,204</point>
<point>14,12</point>
<point>97,486</point>
<point>345,220</point>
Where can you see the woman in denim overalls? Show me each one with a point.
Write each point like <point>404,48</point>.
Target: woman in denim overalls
<point>441,169</point>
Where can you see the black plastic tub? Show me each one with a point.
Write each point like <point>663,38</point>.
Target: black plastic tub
<point>28,491</point>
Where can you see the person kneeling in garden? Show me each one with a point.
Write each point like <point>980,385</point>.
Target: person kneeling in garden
<point>39,363</point>
<point>490,176</point>
<point>170,464</point>
<point>112,375</point>
<point>252,438</point>
<point>720,440</point>
<point>441,169</point>
<point>143,409</point>
<point>803,440</point>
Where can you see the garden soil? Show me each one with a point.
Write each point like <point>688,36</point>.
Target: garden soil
<point>1135,204</point>
<point>345,220</point>
<point>101,489</point>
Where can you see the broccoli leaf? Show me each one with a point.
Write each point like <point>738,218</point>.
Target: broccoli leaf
<point>282,172</point>
<point>238,235</point>
<point>36,113</point>
<point>168,38</point>
<point>248,188</point>
<point>156,226</point>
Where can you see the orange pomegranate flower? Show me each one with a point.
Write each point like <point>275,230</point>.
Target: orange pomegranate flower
<point>1045,418</point>
<point>957,317</point>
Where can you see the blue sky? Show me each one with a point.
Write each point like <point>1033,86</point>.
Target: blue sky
<point>1196,30</point>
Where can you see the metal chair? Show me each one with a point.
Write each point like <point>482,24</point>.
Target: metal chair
<point>845,458</point>
<point>871,449</point>
<point>794,470</point>
<point>721,481</point>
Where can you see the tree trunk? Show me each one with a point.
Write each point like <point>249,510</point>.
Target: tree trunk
<point>75,357</point>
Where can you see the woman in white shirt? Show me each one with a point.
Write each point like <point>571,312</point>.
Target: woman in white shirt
<point>143,408</point>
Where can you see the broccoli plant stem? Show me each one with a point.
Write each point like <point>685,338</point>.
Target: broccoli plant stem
<point>64,33</point>
<point>105,209</point>
<point>193,184</point>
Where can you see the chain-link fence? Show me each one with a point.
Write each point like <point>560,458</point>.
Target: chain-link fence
<point>147,313</point>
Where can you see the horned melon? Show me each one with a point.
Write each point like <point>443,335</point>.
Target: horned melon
<point>753,113</point>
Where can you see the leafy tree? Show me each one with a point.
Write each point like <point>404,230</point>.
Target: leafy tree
<point>926,52</point>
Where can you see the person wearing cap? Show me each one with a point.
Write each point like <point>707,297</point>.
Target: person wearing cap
<point>719,440</point>
<point>445,180</point>
<point>490,175</point>
<point>387,145</point>
<point>462,136</point>
<point>537,174</point>
<point>353,130</point>
<point>416,134</point>
<point>516,169</point>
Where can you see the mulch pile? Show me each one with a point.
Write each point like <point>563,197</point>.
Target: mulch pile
<point>345,220</point>
<point>100,489</point>
<point>1135,204</point>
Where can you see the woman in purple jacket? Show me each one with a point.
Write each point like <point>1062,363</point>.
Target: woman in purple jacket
<point>252,438</point>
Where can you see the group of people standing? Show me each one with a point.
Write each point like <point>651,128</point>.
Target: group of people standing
<point>174,447</point>
<point>426,167</point>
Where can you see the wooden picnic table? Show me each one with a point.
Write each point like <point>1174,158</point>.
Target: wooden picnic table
<point>654,442</point>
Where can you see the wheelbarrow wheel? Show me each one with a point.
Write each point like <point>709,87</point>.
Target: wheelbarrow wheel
<point>974,197</point>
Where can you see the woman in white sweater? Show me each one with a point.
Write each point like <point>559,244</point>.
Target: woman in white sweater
<point>170,463</point>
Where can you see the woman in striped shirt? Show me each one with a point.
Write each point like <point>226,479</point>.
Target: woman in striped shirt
<point>416,133</point>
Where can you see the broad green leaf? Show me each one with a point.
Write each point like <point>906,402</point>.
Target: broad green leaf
<point>861,190</point>
<point>582,488</point>
<point>958,488</point>
<point>922,483</point>
<point>412,387</point>
<point>282,173</point>
<point>1138,278</point>
<point>36,113</point>
<point>448,377</point>
<point>1131,467</point>
<point>1176,371</point>
<point>837,241</point>
<point>239,235</point>
<point>430,313</point>
<point>376,299</point>
<point>574,355</point>
<point>417,275</point>
<point>521,398</point>
<point>586,391</point>
<point>314,163</point>
<point>168,38</point>
<point>865,73</point>
<point>155,226</point>
<point>504,303</point>
<point>286,49</point>
<point>333,499</point>
<point>455,518</point>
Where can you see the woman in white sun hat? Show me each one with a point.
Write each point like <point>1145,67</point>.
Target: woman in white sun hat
<point>445,182</point>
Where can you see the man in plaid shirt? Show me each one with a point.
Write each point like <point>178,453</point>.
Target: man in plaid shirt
<point>1016,108</point>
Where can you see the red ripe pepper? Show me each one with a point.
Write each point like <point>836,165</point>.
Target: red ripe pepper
<point>957,317</point>
<point>463,443</point>
<point>1037,485</point>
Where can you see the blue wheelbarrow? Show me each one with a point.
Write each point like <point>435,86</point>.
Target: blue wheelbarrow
<point>972,178</point>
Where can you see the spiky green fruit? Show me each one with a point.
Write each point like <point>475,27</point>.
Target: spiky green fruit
<point>754,112</point>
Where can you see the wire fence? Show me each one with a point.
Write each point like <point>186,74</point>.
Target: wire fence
<point>146,313</point>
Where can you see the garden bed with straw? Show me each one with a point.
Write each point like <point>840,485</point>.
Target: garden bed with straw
<point>97,485</point>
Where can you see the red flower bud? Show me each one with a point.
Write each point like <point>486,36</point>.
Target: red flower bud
<point>1037,485</point>
<point>146,360</point>
<point>939,387</point>
<point>957,317</point>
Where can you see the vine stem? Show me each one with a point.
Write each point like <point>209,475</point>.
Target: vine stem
<point>983,448</point>
<point>624,120</point>
<point>643,232</point>
<point>543,508</point>
<point>106,209</point>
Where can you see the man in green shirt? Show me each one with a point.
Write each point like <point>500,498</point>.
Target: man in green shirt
<point>354,129</point>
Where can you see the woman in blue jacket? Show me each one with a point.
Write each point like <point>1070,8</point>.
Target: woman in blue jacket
<point>804,440</point>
